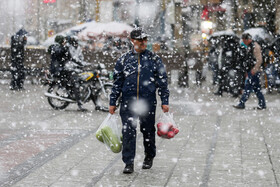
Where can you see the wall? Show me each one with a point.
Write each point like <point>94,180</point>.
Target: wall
<point>209,2</point>
<point>277,20</point>
<point>37,60</point>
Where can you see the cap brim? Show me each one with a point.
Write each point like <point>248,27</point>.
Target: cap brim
<point>142,36</point>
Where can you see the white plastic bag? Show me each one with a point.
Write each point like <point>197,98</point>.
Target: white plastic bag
<point>109,133</point>
<point>166,127</point>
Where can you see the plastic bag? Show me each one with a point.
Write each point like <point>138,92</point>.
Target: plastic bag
<point>109,133</point>
<point>166,127</point>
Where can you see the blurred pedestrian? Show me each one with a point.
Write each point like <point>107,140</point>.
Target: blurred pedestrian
<point>201,60</point>
<point>229,64</point>
<point>213,60</point>
<point>74,48</point>
<point>253,63</point>
<point>137,75</point>
<point>18,41</point>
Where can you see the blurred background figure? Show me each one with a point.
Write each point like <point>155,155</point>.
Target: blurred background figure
<point>272,66</point>
<point>228,66</point>
<point>64,67</point>
<point>201,59</point>
<point>18,41</point>
<point>74,48</point>
<point>213,60</point>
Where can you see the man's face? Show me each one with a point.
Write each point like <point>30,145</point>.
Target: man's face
<point>64,42</point>
<point>24,40</point>
<point>139,45</point>
<point>247,41</point>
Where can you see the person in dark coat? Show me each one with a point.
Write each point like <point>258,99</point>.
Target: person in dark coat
<point>228,63</point>
<point>18,41</point>
<point>213,61</point>
<point>137,75</point>
<point>60,55</point>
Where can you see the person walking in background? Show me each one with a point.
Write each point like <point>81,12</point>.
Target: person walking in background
<point>201,59</point>
<point>137,75</point>
<point>18,41</point>
<point>253,62</point>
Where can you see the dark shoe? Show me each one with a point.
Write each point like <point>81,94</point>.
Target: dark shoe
<point>97,108</point>
<point>235,95</point>
<point>148,162</point>
<point>239,106</point>
<point>218,93</point>
<point>129,168</point>
<point>14,88</point>
<point>261,108</point>
<point>80,108</point>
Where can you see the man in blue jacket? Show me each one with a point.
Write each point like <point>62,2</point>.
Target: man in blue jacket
<point>137,75</point>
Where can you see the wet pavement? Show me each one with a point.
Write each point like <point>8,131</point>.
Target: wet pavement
<point>217,145</point>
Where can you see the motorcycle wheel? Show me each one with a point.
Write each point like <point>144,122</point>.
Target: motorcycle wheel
<point>56,103</point>
<point>102,99</point>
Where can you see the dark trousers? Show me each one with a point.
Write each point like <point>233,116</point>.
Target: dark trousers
<point>147,127</point>
<point>75,83</point>
<point>215,68</point>
<point>240,80</point>
<point>72,80</point>
<point>18,76</point>
<point>223,80</point>
<point>252,83</point>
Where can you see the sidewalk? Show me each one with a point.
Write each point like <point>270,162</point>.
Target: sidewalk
<point>217,145</point>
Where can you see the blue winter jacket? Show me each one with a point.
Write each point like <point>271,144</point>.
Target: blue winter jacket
<point>139,75</point>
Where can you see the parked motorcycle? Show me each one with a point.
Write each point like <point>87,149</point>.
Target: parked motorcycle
<point>92,88</point>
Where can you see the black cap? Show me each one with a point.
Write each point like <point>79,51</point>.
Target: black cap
<point>138,34</point>
<point>60,39</point>
<point>246,36</point>
<point>21,32</point>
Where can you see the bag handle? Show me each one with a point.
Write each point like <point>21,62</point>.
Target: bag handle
<point>169,116</point>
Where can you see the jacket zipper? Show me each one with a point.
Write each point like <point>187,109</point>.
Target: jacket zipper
<point>138,76</point>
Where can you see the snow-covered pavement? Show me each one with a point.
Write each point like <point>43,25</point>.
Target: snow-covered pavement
<point>217,145</point>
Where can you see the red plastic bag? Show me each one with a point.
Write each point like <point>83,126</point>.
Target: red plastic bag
<point>166,127</point>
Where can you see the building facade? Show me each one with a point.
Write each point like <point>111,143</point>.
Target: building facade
<point>42,18</point>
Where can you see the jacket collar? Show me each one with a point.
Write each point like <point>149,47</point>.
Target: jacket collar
<point>134,52</point>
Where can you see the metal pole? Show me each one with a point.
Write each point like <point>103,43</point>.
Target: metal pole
<point>116,5</point>
<point>236,24</point>
<point>162,17</point>
<point>38,20</point>
<point>97,10</point>
<point>178,27</point>
<point>13,4</point>
<point>136,21</point>
<point>83,13</point>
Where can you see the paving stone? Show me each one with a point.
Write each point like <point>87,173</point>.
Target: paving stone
<point>216,146</point>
